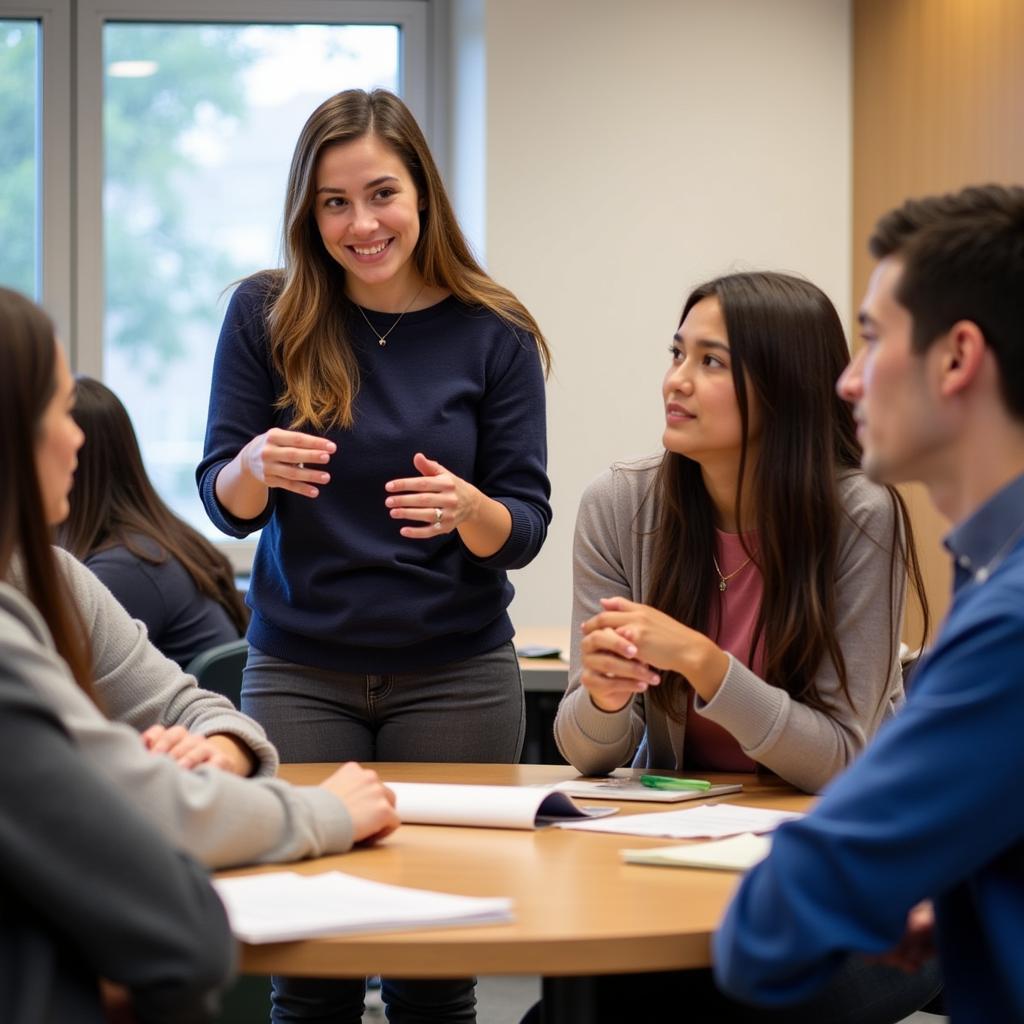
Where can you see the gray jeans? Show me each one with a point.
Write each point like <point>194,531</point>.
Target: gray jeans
<point>470,710</point>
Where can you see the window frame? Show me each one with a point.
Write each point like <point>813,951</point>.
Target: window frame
<point>54,176</point>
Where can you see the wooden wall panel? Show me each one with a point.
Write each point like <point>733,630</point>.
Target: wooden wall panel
<point>938,103</point>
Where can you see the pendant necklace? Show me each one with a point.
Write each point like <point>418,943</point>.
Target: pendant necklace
<point>723,581</point>
<point>382,339</point>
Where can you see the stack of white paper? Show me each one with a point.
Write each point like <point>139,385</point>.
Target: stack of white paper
<point>284,906</point>
<point>706,821</point>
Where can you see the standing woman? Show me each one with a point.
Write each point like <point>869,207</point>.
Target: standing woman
<point>162,571</point>
<point>377,410</point>
<point>743,591</point>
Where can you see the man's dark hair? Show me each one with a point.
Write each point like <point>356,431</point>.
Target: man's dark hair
<point>963,259</point>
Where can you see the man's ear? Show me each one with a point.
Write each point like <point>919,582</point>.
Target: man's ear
<point>962,353</point>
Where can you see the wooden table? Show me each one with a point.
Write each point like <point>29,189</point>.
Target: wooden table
<point>579,910</point>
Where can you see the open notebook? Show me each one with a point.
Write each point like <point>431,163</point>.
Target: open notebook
<point>421,803</point>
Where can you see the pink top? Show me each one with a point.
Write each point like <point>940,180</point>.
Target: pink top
<point>708,746</point>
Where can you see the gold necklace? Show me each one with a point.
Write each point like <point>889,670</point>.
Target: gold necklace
<point>723,581</point>
<point>382,339</point>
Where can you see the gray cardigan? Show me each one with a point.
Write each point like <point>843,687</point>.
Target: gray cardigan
<point>807,747</point>
<point>219,818</point>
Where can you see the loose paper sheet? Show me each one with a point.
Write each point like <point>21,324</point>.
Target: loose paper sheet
<point>706,821</point>
<point>283,906</point>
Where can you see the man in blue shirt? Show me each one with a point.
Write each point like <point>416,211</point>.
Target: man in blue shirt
<point>933,809</point>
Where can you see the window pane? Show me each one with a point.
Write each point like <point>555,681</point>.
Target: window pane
<point>19,156</point>
<point>199,126</point>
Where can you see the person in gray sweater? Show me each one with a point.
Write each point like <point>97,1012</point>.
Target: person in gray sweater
<point>88,888</point>
<point>93,661</point>
<point>738,600</point>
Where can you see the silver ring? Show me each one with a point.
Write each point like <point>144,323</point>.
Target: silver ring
<point>438,513</point>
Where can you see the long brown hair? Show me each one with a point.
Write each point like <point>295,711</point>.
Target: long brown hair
<point>308,309</point>
<point>28,381</point>
<point>786,341</point>
<point>114,503</point>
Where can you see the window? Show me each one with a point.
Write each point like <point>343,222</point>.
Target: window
<point>134,195</point>
<point>19,155</point>
<point>199,123</point>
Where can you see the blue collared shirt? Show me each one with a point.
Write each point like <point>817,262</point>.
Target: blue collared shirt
<point>983,540</point>
<point>932,809</point>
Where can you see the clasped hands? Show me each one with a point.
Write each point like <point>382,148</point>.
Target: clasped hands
<point>438,501</point>
<point>626,645</point>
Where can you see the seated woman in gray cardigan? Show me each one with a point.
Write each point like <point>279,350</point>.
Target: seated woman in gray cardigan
<point>92,663</point>
<point>738,600</point>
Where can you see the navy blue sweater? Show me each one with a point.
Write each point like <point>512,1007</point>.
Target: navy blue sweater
<point>180,620</point>
<point>334,584</point>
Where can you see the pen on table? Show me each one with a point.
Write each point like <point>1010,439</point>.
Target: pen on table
<point>669,782</point>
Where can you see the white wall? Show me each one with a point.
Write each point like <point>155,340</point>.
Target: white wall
<point>633,150</point>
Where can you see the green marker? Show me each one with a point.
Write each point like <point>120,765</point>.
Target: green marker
<point>669,782</point>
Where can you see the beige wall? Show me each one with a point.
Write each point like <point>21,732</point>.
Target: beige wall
<point>939,104</point>
<point>634,149</point>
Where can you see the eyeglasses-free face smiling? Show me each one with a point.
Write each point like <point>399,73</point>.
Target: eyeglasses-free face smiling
<point>702,414</point>
<point>367,210</point>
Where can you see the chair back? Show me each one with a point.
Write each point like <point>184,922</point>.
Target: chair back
<point>220,669</point>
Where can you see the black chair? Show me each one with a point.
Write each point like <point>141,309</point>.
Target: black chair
<point>220,669</point>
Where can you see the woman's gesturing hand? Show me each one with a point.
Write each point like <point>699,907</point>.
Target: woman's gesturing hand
<point>438,500</point>
<point>288,459</point>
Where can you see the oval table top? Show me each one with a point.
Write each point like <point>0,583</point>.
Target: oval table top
<point>578,908</point>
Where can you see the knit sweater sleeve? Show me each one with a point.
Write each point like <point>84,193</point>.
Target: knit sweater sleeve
<point>137,685</point>
<point>219,818</point>
<point>805,745</point>
<point>511,462</point>
<point>596,742</point>
<point>243,391</point>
